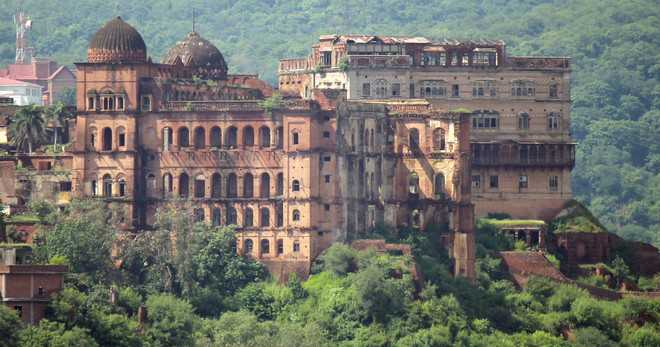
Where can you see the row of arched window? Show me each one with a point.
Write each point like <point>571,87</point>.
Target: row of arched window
<point>438,184</point>
<point>107,186</point>
<point>248,216</point>
<point>200,182</point>
<point>248,246</point>
<point>215,135</point>
<point>107,141</point>
<point>439,141</point>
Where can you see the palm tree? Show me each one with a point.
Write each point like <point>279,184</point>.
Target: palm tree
<point>27,128</point>
<point>57,116</point>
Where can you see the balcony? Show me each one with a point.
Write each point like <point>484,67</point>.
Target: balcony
<point>535,63</point>
<point>541,155</point>
<point>379,61</point>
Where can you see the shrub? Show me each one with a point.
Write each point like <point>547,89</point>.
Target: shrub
<point>340,259</point>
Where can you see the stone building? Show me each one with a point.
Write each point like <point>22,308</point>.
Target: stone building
<point>293,176</point>
<point>522,149</point>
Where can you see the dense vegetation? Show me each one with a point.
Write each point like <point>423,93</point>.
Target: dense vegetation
<point>198,292</point>
<point>614,45</point>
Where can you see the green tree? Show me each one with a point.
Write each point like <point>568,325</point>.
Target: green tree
<point>171,321</point>
<point>10,325</point>
<point>27,128</point>
<point>57,116</point>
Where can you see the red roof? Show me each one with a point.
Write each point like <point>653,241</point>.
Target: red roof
<point>10,82</point>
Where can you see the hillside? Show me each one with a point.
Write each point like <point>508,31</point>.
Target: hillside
<point>615,46</point>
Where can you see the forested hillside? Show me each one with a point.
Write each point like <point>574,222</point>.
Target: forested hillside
<point>615,46</point>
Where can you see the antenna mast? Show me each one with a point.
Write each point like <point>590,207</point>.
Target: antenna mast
<point>24,53</point>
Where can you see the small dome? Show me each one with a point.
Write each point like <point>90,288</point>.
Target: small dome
<point>196,51</point>
<point>117,42</point>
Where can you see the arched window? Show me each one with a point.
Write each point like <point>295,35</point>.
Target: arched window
<point>264,186</point>
<point>295,215</point>
<point>264,136</point>
<point>184,138</point>
<point>107,139</point>
<point>200,186</point>
<point>553,121</point>
<point>279,212</point>
<point>265,246</point>
<point>264,216</point>
<point>279,133</point>
<point>198,214</point>
<point>151,184</point>
<point>122,186</point>
<point>121,137</point>
<point>439,185</point>
<point>94,188</point>
<point>167,138</point>
<point>216,137</point>
<point>107,186</point>
<point>232,137</point>
<point>439,139</point>
<point>92,138</point>
<point>231,216</point>
<point>416,219</point>
<point>280,184</point>
<point>295,138</point>
<point>295,185</point>
<point>248,218</point>
<point>232,190</point>
<point>167,184</point>
<point>216,217</point>
<point>413,184</point>
<point>184,183</point>
<point>248,185</point>
<point>248,246</point>
<point>216,185</point>
<point>200,138</point>
<point>280,246</point>
<point>381,87</point>
<point>523,121</point>
<point>413,138</point>
<point>248,136</point>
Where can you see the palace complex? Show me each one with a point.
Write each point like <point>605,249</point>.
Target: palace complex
<point>366,131</point>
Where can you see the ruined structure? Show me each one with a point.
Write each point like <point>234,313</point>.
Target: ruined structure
<point>293,175</point>
<point>522,151</point>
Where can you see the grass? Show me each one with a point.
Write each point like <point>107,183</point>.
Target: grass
<point>513,223</point>
<point>24,218</point>
<point>576,218</point>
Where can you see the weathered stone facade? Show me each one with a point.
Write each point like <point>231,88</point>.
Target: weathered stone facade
<point>522,150</point>
<point>293,176</point>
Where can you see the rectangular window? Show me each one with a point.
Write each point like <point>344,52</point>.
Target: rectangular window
<point>553,183</point>
<point>120,103</point>
<point>327,178</point>
<point>326,134</point>
<point>396,89</point>
<point>90,103</point>
<point>326,58</point>
<point>454,90</point>
<point>65,186</point>
<point>476,182</point>
<point>494,182</point>
<point>366,89</point>
<point>295,138</point>
<point>327,158</point>
<point>326,207</point>
<point>122,140</point>
<point>146,103</point>
<point>296,246</point>
<point>523,181</point>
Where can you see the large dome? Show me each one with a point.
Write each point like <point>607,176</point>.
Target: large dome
<point>117,42</point>
<point>196,51</point>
